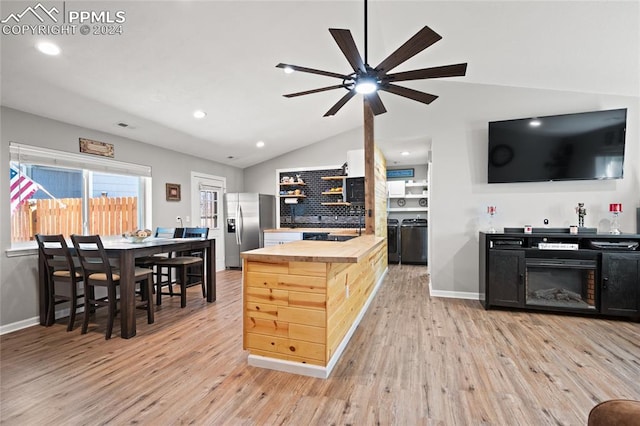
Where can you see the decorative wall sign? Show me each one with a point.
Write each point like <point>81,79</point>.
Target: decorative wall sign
<point>400,173</point>
<point>173,191</point>
<point>89,146</point>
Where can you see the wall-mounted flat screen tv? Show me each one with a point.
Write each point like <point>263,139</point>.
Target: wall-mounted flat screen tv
<point>588,145</point>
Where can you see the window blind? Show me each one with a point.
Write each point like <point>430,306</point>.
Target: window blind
<point>49,157</point>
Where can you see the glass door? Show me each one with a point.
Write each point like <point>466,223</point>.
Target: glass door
<point>208,210</point>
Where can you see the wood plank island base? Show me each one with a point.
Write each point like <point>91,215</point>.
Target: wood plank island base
<point>303,300</point>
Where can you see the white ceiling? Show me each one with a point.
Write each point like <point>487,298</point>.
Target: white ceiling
<point>178,56</point>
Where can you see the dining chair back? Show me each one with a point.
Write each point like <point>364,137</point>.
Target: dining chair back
<point>60,270</point>
<point>168,232</point>
<point>196,232</point>
<point>196,274</point>
<point>98,272</point>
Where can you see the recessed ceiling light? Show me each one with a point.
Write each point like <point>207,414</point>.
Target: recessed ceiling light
<point>405,153</point>
<point>288,69</point>
<point>260,144</point>
<point>48,48</point>
<point>199,114</point>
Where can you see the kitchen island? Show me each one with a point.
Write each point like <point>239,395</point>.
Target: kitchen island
<point>303,300</point>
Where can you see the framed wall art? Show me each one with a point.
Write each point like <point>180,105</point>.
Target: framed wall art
<point>173,191</point>
<point>88,146</point>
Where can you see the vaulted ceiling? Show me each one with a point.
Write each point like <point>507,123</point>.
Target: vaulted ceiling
<point>174,57</point>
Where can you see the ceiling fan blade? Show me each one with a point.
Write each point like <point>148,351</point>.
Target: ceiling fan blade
<point>423,97</point>
<point>312,71</point>
<point>456,70</point>
<point>376,103</point>
<point>340,103</point>
<point>348,47</point>
<point>308,92</point>
<point>416,44</point>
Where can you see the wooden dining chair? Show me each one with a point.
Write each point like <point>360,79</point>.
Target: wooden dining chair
<point>98,272</point>
<point>61,272</point>
<point>184,266</point>
<point>196,273</point>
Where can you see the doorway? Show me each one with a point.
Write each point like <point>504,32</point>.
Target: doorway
<point>207,209</point>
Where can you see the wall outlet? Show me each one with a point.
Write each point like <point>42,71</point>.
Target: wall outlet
<point>188,219</point>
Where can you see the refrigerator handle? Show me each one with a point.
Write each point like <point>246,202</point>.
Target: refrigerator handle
<point>240,225</point>
<point>237,223</point>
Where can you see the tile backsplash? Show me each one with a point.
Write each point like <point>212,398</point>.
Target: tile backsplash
<point>309,212</point>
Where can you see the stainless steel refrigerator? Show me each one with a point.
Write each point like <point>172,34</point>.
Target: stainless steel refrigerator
<point>248,215</point>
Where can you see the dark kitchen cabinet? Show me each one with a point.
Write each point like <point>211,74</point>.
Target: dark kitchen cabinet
<point>506,275</point>
<point>620,284</point>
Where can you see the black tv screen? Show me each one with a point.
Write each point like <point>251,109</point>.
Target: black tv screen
<point>588,145</point>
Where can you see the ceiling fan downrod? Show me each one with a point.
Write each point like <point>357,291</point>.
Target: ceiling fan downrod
<point>366,49</point>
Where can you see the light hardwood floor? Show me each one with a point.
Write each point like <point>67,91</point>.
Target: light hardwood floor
<point>414,360</point>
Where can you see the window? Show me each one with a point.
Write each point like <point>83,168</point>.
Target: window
<point>209,205</point>
<point>54,192</point>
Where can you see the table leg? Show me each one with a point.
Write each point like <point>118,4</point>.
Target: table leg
<point>43,287</point>
<point>127,294</point>
<point>211,271</point>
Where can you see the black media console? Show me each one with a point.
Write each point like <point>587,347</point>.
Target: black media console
<point>552,270</point>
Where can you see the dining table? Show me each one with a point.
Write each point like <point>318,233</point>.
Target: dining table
<point>127,252</point>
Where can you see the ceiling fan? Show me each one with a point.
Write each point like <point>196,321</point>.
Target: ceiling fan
<point>369,80</point>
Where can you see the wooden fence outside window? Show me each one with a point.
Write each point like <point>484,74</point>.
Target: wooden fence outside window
<point>107,216</point>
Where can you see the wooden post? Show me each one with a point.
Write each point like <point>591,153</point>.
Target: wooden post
<point>369,170</point>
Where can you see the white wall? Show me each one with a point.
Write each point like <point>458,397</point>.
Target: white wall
<point>330,152</point>
<point>18,275</point>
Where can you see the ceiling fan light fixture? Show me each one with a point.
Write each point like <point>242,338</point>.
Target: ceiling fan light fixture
<point>366,85</point>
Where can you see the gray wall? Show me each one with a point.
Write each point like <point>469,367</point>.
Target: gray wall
<point>18,284</point>
<point>459,194</point>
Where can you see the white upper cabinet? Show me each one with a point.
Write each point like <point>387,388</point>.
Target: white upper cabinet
<point>355,162</point>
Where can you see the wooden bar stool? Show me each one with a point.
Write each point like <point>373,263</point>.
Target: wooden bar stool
<point>182,264</point>
<point>61,270</point>
<point>98,272</point>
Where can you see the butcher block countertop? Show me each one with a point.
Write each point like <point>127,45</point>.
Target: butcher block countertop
<point>334,231</point>
<point>350,251</point>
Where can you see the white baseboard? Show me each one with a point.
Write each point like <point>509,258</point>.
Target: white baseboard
<point>316,370</point>
<point>30,322</point>
<point>19,325</point>
<point>453,294</point>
